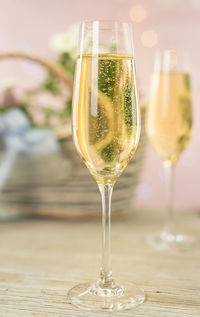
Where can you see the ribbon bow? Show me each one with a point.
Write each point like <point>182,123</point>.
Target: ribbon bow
<point>18,136</point>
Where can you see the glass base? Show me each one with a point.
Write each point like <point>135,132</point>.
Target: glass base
<point>94,297</point>
<point>167,240</point>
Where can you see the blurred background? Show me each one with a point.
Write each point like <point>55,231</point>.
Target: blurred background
<point>47,28</point>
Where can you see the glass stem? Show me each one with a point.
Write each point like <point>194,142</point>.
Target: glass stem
<point>106,271</point>
<point>169,197</point>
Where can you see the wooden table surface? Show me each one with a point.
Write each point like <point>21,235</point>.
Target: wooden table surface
<point>40,259</point>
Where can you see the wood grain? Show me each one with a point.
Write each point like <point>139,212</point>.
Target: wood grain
<point>40,259</point>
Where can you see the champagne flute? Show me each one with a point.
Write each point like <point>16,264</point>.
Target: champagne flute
<point>168,126</point>
<point>106,128</point>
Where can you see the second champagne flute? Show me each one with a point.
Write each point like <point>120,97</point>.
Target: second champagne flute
<point>106,128</point>
<point>168,126</point>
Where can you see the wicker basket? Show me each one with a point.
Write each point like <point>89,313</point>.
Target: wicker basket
<point>60,184</point>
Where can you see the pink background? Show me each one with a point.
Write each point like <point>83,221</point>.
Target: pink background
<point>28,25</point>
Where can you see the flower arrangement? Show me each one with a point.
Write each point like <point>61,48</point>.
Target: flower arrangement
<point>49,104</point>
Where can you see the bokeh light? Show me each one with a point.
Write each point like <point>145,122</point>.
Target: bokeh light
<point>149,38</point>
<point>138,13</point>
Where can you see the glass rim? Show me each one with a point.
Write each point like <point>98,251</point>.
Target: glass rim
<point>170,60</point>
<point>105,27</point>
<point>165,51</point>
<point>109,21</point>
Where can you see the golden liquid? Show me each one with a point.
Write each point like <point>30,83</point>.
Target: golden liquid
<point>106,121</point>
<point>169,115</point>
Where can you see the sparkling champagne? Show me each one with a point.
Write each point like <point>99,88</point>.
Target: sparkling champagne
<point>106,122</point>
<point>169,115</point>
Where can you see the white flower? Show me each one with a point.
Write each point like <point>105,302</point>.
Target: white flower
<point>66,42</point>
<point>47,100</point>
<point>38,116</point>
<point>54,121</point>
<point>12,95</point>
<point>19,94</point>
